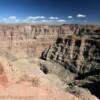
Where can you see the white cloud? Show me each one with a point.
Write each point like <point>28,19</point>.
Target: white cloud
<point>70,17</point>
<point>35,17</point>
<point>81,15</point>
<point>12,17</point>
<point>44,20</point>
<point>53,18</point>
<point>30,17</point>
<point>34,20</point>
<point>61,20</point>
<point>42,17</point>
<point>49,21</point>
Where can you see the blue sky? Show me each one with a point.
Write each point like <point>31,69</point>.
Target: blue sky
<point>50,11</point>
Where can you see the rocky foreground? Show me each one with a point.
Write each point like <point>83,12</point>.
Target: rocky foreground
<point>42,62</point>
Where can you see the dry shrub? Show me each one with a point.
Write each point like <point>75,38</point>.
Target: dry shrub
<point>35,81</point>
<point>1,69</point>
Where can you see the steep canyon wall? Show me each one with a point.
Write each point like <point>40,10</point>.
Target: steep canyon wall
<point>31,39</point>
<point>77,50</point>
<point>77,43</point>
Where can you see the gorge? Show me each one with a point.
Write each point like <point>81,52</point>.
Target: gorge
<point>64,56</point>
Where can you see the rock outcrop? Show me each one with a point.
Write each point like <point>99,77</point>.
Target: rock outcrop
<point>78,53</point>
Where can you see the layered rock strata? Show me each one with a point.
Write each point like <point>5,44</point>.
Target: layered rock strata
<point>79,54</point>
<point>70,57</point>
<point>33,39</point>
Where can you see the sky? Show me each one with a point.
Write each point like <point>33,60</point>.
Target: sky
<point>50,11</point>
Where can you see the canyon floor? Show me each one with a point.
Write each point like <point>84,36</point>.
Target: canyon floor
<point>42,62</point>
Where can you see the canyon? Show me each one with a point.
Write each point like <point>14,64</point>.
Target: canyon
<point>63,59</point>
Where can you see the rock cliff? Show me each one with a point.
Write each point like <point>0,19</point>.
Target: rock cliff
<point>33,39</point>
<point>78,53</point>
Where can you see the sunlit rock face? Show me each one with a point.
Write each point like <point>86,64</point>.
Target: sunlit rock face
<point>33,39</point>
<point>79,54</point>
<point>81,50</point>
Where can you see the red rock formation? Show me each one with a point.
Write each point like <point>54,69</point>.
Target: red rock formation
<point>3,77</point>
<point>35,38</point>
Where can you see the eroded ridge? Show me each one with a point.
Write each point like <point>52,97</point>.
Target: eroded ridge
<point>78,53</point>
